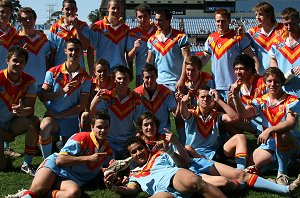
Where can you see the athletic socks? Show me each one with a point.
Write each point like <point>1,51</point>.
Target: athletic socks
<point>241,160</point>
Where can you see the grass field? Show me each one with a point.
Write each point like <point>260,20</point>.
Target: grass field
<point>13,180</point>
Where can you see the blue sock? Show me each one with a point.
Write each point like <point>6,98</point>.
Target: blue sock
<point>241,160</point>
<point>27,159</point>
<point>264,184</point>
<point>6,145</point>
<point>283,157</point>
<point>46,150</point>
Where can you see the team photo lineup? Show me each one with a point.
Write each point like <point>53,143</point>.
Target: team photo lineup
<point>132,108</point>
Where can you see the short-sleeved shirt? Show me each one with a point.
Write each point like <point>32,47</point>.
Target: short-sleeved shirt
<point>156,175</point>
<point>38,49</point>
<point>8,40</point>
<point>12,92</point>
<point>203,133</point>
<point>168,56</point>
<point>57,78</point>
<point>109,43</point>
<point>142,53</point>
<point>261,42</point>
<point>287,58</point>
<point>223,50</point>
<point>59,35</point>
<point>160,104</point>
<point>80,144</point>
<point>273,115</point>
<point>123,113</point>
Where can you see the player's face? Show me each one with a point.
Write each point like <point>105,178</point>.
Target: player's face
<point>69,9</point>
<point>27,20</point>
<point>73,52</point>
<point>114,9</point>
<point>262,18</point>
<point>149,128</point>
<point>192,73</point>
<point>122,80</point>
<point>291,25</point>
<point>273,85</point>
<point>139,153</point>
<point>5,14</point>
<point>143,19</point>
<point>204,99</point>
<point>222,23</point>
<point>16,64</point>
<point>100,129</point>
<point>101,72</point>
<point>161,22</point>
<point>150,80</point>
<point>242,73</point>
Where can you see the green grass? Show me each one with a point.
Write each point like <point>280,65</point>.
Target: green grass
<point>13,180</point>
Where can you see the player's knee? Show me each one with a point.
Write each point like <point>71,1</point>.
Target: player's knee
<point>197,183</point>
<point>74,192</point>
<point>240,138</point>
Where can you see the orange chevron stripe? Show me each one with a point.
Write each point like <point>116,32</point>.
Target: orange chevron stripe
<point>252,180</point>
<point>45,142</point>
<point>146,170</point>
<point>292,55</point>
<point>203,128</point>
<point>11,94</point>
<point>164,47</point>
<point>220,45</point>
<point>9,39</point>
<point>119,109</point>
<point>36,45</point>
<point>104,27</point>
<point>138,32</point>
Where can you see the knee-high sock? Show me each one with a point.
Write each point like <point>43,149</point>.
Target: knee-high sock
<point>46,147</point>
<point>241,160</point>
<point>283,155</point>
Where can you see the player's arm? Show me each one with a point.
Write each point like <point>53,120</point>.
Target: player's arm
<point>273,62</point>
<point>90,59</point>
<point>47,95</point>
<point>66,160</point>
<point>150,57</point>
<point>52,57</point>
<point>185,51</point>
<point>205,58</point>
<point>251,53</point>
<point>132,53</point>
<point>184,111</point>
<point>26,108</point>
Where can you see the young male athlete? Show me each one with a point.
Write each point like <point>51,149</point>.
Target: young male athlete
<point>18,92</point>
<point>65,93</point>
<point>285,52</point>
<point>79,161</point>
<point>279,112</point>
<point>8,33</point>
<point>123,106</point>
<point>156,98</point>
<point>36,43</point>
<point>222,47</point>
<point>160,173</point>
<point>137,39</point>
<point>263,35</point>
<point>69,26</point>
<point>168,49</point>
<point>108,36</point>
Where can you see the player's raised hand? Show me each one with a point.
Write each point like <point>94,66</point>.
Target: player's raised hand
<point>97,157</point>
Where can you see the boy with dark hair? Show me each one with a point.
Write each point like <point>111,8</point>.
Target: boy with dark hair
<point>123,106</point>
<point>17,99</point>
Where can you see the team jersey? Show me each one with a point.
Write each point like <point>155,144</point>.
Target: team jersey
<point>8,40</point>
<point>168,56</point>
<point>205,79</point>
<point>158,172</point>
<point>80,144</point>
<point>12,92</point>
<point>257,89</point>
<point>261,42</point>
<point>203,133</point>
<point>151,144</point>
<point>109,43</point>
<point>123,113</point>
<point>274,114</point>
<point>59,35</point>
<point>142,52</point>
<point>160,104</point>
<point>57,78</point>
<point>223,50</point>
<point>38,49</point>
<point>287,58</point>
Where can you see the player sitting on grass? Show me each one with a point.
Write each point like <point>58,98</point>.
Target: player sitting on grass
<point>79,161</point>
